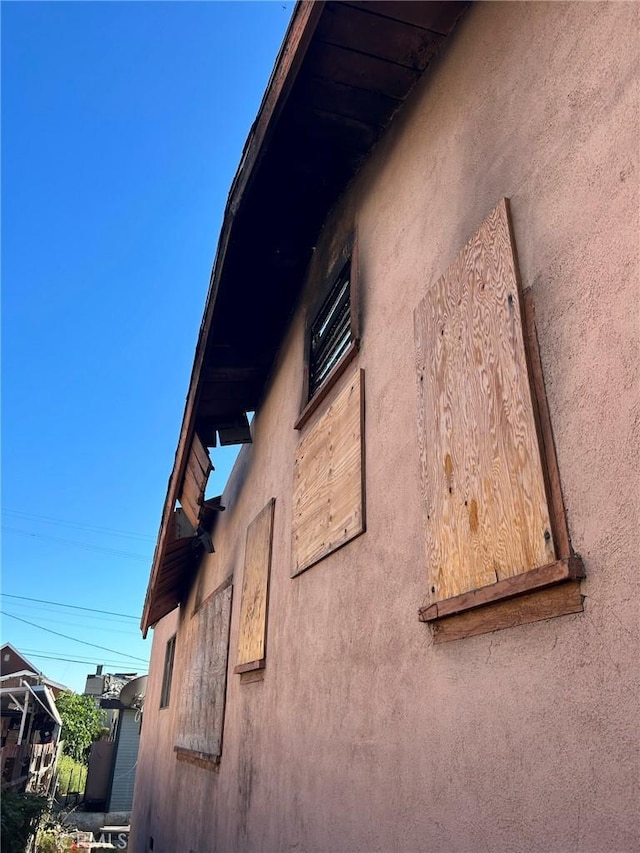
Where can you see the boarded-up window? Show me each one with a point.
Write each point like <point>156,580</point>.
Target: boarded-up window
<point>167,675</point>
<point>203,694</point>
<point>255,592</point>
<point>487,519</point>
<point>328,497</point>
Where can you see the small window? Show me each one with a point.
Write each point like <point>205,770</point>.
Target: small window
<point>332,337</point>
<point>169,655</point>
<point>330,331</point>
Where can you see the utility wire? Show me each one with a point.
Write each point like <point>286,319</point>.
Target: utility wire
<point>77,624</point>
<point>74,660</point>
<point>75,639</point>
<point>86,546</point>
<point>82,620</point>
<point>77,525</point>
<point>62,654</point>
<point>72,606</point>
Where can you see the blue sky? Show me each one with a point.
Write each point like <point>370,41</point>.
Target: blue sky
<point>122,127</point>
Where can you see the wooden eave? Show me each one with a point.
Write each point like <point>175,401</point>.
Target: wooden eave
<point>342,72</point>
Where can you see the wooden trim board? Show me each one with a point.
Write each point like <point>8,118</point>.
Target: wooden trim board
<point>544,576</point>
<point>560,600</point>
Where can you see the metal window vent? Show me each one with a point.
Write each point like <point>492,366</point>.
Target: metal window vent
<point>330,331</point>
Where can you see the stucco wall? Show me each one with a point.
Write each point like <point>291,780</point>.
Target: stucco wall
<point>363,735</point>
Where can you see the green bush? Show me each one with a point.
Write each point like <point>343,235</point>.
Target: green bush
<point>72,774</point>
<point>82,723</point>
<point>53,838</point>
<point>19,817</point>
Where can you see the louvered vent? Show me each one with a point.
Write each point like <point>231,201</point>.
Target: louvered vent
<point>331,331</point>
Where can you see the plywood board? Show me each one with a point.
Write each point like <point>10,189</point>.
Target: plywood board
<point>485,506</point>
<point>328,483</point>
<point>204,685</point>
<point>255,590</point>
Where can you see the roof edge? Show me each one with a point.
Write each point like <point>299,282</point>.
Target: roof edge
<point>296,41</point>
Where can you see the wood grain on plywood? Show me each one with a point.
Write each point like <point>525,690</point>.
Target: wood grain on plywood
<point>485,506</point>
<point>255,591</point>
<point>328,497</point>
<point>205,680</point>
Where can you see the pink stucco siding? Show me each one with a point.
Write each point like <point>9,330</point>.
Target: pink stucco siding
<point>363,735</point>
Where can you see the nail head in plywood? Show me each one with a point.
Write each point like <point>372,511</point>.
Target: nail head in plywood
<point>485,505</point>
<point>328,486</point>
<point>255,591</point>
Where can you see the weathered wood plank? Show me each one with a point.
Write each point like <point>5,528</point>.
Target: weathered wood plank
<point>545,430</point>
<point>189,501</point>
<point>356,69</point>
<point>328,496</point>
<point>200,453</point>
<point>534,607</point>
<point>255,591</point>
<point>486,514</point>
<point>375,35</point>
<point>562,570</point>
<point>194,482</point>
<point>205,680</point>
<point>238,434</point>
<point>439,17</point>
<point>341,99</point>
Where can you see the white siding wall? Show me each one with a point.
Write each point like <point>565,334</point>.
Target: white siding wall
<point>124,773</point>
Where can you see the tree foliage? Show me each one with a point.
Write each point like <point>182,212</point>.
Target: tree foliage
<point>82,723</point>
<point>19,818</point>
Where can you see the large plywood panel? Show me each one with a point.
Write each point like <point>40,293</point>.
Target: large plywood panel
<point>328,485</point>
<point>255,590</point>
<point>486,513</point>
<point>205,682</point>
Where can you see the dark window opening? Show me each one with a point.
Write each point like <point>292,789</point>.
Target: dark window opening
<point>330,332</point>
<point>169,655</point>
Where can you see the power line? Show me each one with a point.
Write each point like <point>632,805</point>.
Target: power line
<point>74,639</point>
<point>72,606</point>
<point>78,620</point>
<point>130,632</point>
<point>60,656</point>
<point>86,546</point>
<point>73,660</point>
<point>77,525</point>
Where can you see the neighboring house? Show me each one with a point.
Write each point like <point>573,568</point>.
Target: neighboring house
<point>15,668</point>
<point>112,761</point>
<point>395,645</point>
<point>30,724</point>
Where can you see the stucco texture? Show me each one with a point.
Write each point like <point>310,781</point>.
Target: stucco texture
<point>364,735</point>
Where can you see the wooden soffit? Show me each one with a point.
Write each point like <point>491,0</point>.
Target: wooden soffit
<point>343,71</point>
